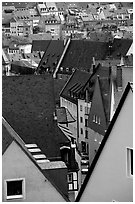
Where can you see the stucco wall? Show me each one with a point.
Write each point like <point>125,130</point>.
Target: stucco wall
<point>15,164</point>
<point>109,180</point>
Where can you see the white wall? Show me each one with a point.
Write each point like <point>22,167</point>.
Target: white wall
<point>16,164</point>
<point>84,116</point>
<point>109,180</point>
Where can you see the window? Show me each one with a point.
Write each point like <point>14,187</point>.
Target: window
<point>129,162</point>
<point>80,107</point>
<point>86,122</point>
<point>94,118</point>
<point>15,188</point>
<point>81,119</point>
<point>87,110</point>
<point>83,146</point>
<point>81,131</point>
<point>72,179</point>
<point>86,134</point>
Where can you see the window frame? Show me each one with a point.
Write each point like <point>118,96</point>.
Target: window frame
<point>72,182</point>
<point>81,119</point>
<point>128,162</point>
<point>12,197</point>
<point>81,108</point>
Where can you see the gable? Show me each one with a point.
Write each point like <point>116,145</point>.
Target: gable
<point>16,164</point>
<point>110,163</point>
<point>97,109</point>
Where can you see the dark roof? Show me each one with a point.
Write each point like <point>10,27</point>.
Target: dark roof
<point>6,139</point>
<point>9,135</point>
<point>100,105</point>
<point>28,106</point>
<point>52,55</point>
<point>64,116</point>
<point>120,47</point>
<point>75,84</point>
<point>104,141</point>
<point>59,84</point>
<point>106,95</point>
<point>40,45</point>
<point>80,80</point>
<point>80,52</point>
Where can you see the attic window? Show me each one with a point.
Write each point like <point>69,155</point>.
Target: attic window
<point>15,188</point>
<point>61,68</point>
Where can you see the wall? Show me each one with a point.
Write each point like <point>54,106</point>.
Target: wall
<point>84,116</point>
<point>109,180</point>
<point>15,164</point>
<point>73,110</point>
<point>94,141</point>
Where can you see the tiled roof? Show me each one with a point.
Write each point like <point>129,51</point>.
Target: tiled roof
<point>105,92</point>
<point>40,45</point>
<point>28,106</point>
<point>6,139</point>
<point>6,18</point>
<point>120,47</point>
<point>75,83</point>
<point>64,116</point>
<point>9,135</point>
<point>79,53</point>
<point>52,55</point>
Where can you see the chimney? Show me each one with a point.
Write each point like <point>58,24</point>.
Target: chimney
<point>119,77</point>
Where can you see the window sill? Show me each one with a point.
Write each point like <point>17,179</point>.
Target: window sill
<point>14,197</point>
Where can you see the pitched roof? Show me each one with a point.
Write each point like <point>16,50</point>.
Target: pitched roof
<point>78,82</point>
<point>100,99</point>
<point>120,47</point>
<point>79,53</point>
<point>9,135</point>
<point>104,141</point>
<point>64,116</point>
<point>75,83</point>
<point>6,139</point>
<point>52,55</point>
<point>40,45</point>
<point>28,106</point>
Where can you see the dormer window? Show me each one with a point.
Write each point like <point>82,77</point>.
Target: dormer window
<point>61,68</point>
